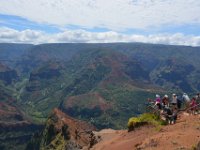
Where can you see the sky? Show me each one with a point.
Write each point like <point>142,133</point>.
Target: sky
<point>174,22</point>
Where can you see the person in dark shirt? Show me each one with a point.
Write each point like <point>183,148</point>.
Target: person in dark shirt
<point>165,101</point>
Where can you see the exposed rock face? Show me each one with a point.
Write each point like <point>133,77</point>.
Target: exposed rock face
<point>8,110</point>
<point>45,72</point>
<point>15,130</point>
<point>17,134</point>
<point>63,132</point>
<point>121,74</point>
<point>6,74</point>
<point>9,113</point>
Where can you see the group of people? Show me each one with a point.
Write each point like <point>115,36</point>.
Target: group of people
<point>169,108</point>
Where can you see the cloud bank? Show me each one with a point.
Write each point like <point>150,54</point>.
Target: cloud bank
<point>81,36</point>
<point>115,15</point>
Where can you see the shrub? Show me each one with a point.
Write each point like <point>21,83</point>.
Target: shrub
<point>144,119</point>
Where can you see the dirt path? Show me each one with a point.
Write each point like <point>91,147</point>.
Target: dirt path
<point>181,136</point>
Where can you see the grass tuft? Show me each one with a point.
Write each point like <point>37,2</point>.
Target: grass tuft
<point>144,119</point>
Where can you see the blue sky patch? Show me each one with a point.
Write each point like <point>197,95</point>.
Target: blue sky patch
<point>20,24</point>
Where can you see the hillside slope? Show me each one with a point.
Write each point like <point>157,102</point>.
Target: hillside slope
<point>185,134</point>
<point>63,132</point>
<point>96,82</point>
<point>15,128</point>
<point>103,84</point>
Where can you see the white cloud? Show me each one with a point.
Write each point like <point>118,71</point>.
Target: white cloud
<point>26,36</point>
<point>111,14</point>
<point>82,36</point>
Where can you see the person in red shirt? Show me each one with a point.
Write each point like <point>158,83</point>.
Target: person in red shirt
<point>193,105</point>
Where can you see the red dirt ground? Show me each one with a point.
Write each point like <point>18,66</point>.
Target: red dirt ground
<point>183,135</point>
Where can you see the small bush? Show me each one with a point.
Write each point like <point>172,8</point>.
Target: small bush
<point>144,119</point>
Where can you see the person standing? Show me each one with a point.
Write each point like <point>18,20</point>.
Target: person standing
<point>198,98</point>
<point>165,101</point>
<point>174,100</point>
<point>193,106</point>
<point>186,99</point>
<point>158,101</point>
<point>174,115</point>
<point>179,102</point>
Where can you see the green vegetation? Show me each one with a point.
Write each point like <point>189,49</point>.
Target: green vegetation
<point>145,119</point>
<point>52,138</point>
<point>104,84</point>
<point>16,137</point>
